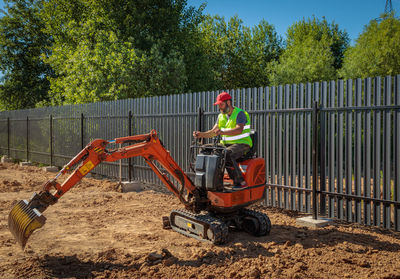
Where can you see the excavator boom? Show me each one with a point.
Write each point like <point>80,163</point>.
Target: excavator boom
<point>26,216</point>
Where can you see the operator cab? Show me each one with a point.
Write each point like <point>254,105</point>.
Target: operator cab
<point>210,174</point>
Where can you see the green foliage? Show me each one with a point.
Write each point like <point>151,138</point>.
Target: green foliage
<point>56,52</point>
<point>112,70</point>
<point>265,46</point>
<point>314,51</point>
<point>21,44</point>
<point>239,55</point>
<point>376,52</point>
<point>108,50</point>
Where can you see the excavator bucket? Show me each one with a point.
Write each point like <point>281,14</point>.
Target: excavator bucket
<point>23,220</point>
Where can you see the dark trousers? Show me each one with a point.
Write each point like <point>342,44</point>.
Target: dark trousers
<point>233,152</point>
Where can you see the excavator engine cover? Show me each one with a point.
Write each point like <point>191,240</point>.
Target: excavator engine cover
<point>23,220</point>
<point>208,172</point>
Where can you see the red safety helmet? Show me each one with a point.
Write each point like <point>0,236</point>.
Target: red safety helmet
<point>222,97</point>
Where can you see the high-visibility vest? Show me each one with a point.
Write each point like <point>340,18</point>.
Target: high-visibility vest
<point>225,125</point>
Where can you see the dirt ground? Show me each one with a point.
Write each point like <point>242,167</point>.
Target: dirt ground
<point>95,231</point>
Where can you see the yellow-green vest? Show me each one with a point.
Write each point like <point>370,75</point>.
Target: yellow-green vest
<point>224,125</point>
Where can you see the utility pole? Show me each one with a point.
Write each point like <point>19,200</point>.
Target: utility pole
<point>388,11</point>
<point>388,7</point>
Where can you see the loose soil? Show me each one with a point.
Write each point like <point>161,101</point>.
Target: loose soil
<point>95,231</point>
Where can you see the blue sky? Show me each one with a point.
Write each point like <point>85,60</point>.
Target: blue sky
<point>350,15</point>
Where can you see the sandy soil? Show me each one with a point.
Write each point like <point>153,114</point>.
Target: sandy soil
<point>95,231</point>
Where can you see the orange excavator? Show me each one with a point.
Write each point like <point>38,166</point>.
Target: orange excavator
<point>212,205</point>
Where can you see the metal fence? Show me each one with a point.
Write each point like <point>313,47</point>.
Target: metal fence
<point>347,133</point>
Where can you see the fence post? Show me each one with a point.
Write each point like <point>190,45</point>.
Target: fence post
<point>315,160</point>
<point>200,122</point>
<point>200,115</point>
<point>323,146</point>
<point>51,139</point>
<point>82,143</point>
<point>199,118</point>
<point>27,138</point>
<point>8,137</point>
<point>130,134</point>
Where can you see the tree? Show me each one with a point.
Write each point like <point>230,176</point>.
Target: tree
<point>376,52</point>
<point>22,42</point>
<point>107,50</point>
<point>239,55</point>
<point>314,51</point>
<point>111,70</point>
<point>264,47</point>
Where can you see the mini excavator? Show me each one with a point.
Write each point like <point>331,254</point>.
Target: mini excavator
<point>212,205</point>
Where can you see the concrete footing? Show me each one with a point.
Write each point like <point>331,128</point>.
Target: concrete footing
<point>133,186</point>
<point>22,164</point>
<point>6,159</point>
<point>308,221</point>
<point>50,169</point>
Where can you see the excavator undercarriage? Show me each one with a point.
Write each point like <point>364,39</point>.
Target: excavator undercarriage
<point>212,205</point>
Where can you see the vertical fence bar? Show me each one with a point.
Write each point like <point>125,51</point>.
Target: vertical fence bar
<point>145,101</point>
<point>279,145</point>
<point>397,155</point>
<point>264,104</point>
<point>273,147</point>
<point>200,121</point>
<point>51,139</point>
<point>300,148</point>
<point>139,128</point>
<point>386,154</point>
<point>349,149</point>
<point>27,138</point>
<point>130,134</point>
<point>179,139</point>
<point>134,132</point>
<point>120,167</point>
<point>82,133</point>
<point>308,158</point>
<point>149,174</point>
<point>367,152</point>
<point>357,150</point>
<point>316,97</point>
<point>377,152</point>
<point>8,138</point>
<point>286,146</point>
<point>180,156</point>
<point>315,160</point>
<point>187,135</point>
<point>323,144</point>
<point>293,152</point>
<point>331,150</point>
<point>339,150</point>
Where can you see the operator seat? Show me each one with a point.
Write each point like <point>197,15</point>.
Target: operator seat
<point>252,153</point>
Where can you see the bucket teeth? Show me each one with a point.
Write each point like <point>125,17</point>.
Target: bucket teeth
<point>23,220</point>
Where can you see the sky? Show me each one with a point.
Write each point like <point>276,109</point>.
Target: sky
<point>350,15</point>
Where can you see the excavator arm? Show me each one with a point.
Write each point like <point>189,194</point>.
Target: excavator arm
<point>26,216</point>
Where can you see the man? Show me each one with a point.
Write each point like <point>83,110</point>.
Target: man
<point>233,125</point>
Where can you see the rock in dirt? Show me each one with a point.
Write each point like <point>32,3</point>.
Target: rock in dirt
<point>152,257</point>
<point>255,273</point>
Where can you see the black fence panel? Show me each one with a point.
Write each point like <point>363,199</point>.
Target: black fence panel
<point>336,143</point>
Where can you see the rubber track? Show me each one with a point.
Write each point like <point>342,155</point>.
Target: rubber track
<point>219,228</point>
<point>263,219</point>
